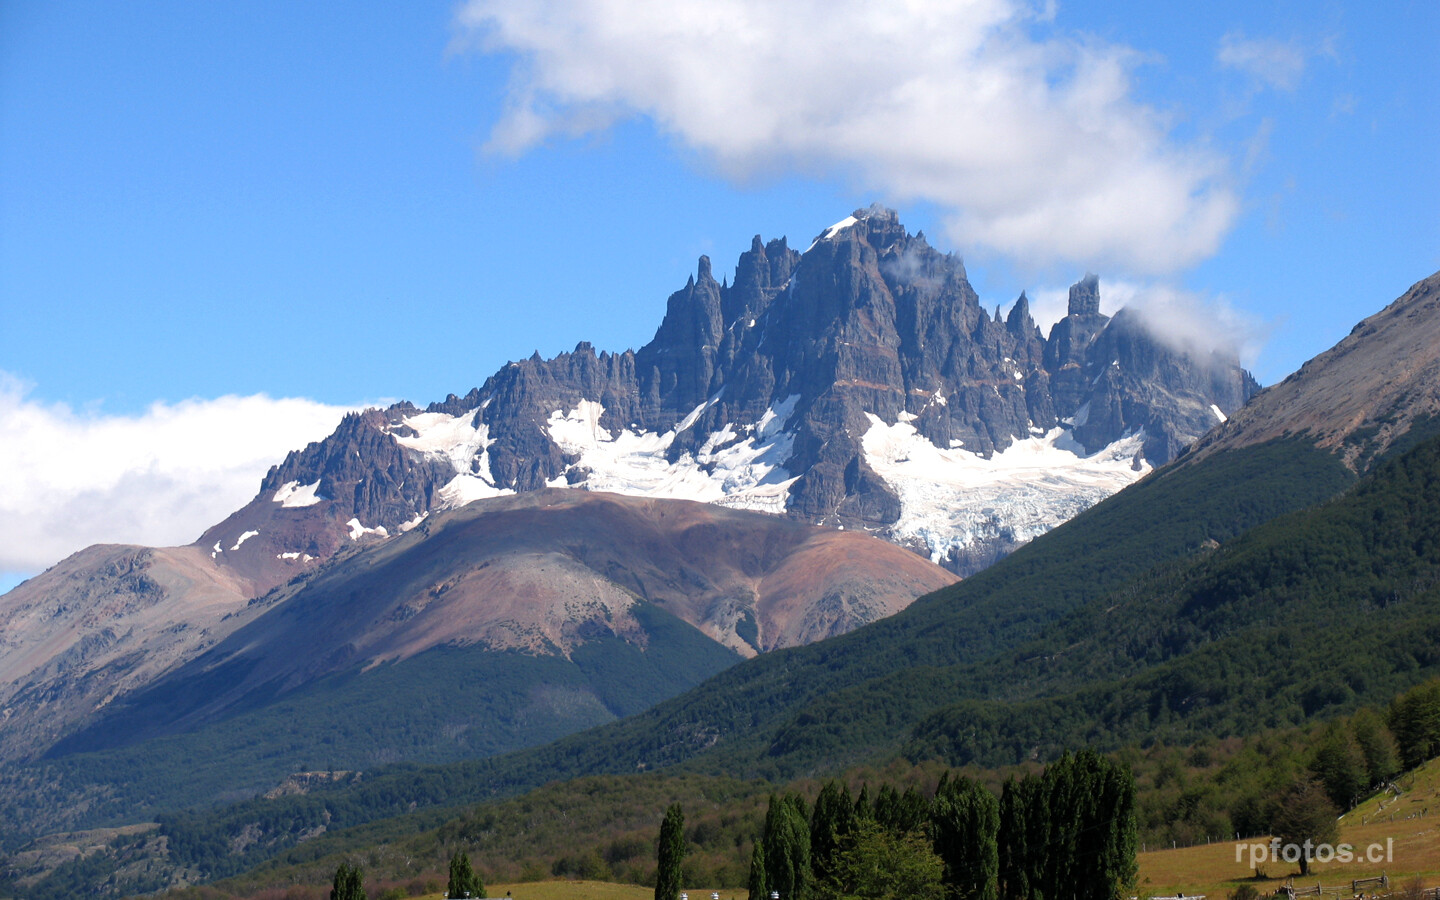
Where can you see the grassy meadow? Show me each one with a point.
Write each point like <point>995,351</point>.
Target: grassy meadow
<point>1407,826</point>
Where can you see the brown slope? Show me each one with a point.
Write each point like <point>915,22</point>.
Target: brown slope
<point>542,573</point>
<point>102,622</point>
<point>1358,397</point>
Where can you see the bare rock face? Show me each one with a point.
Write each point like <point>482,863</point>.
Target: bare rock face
<point>1358,398</point>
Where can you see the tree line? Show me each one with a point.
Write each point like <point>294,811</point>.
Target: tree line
<point>1068,831</point>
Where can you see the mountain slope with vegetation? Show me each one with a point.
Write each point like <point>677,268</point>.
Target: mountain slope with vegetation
<point>503,625</point>
<point>1185,652</point>
<point>738,722</point>
<point>603,827</point>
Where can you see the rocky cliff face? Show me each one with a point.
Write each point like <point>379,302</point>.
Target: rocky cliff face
<point>859,384</point>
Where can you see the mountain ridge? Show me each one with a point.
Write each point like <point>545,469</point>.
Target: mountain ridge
<point>760,394</point>
<point>1360,396</point>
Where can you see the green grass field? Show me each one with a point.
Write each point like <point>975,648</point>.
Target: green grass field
<point>1407,828</point>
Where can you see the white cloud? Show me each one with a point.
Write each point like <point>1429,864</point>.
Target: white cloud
<point>1276,64</point>
<point>1035,148</point>
<point>1199,323</point>
<point>68,479</point>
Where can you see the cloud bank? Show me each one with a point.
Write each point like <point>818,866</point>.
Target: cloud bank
<point>68,479</point>
<point>1193,323</point>
<point>1033,146</point>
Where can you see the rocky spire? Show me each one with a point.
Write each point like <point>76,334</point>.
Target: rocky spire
<point>1020,323</point>
<point>1085,296</point>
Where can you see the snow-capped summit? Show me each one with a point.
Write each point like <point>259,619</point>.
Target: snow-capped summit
<point>774,393</point>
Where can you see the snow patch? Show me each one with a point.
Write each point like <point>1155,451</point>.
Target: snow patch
<point>457,439</point>
<point>463,442</point>
<point>1218,414</point>
<point>302,557</point>
<point>467,488</point>
<point>697,411</point>
<point>832,231</point>
<point>732,469</point>
<point>241,539</point>
<point>292,494</point>
<point>953,499</point>
<point>410,525</point>
<point>357,531</point>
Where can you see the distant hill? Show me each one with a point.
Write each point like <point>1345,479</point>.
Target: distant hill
<point>505,624</point>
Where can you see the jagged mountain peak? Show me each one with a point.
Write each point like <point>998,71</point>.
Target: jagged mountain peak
<point>859,384</point>
<point>1085,296</point>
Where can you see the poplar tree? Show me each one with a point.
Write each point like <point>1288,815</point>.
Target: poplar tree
<point>964,823</point>
<point>349,883</point>
<point>787,848</point>
<point>759,889</point>
<point>832,820</point>
<point>1022,838</point>
<point>864,808</point>
<point>1072,832</point>
<point>1109,831</point>
<point>670,854</point>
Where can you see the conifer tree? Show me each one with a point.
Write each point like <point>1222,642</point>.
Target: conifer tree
<point>464,881</point>
<point>670,854</point>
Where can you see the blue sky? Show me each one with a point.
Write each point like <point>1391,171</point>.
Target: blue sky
<point>204,204</point>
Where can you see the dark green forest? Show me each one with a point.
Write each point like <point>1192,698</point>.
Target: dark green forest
<point>604,827</point>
